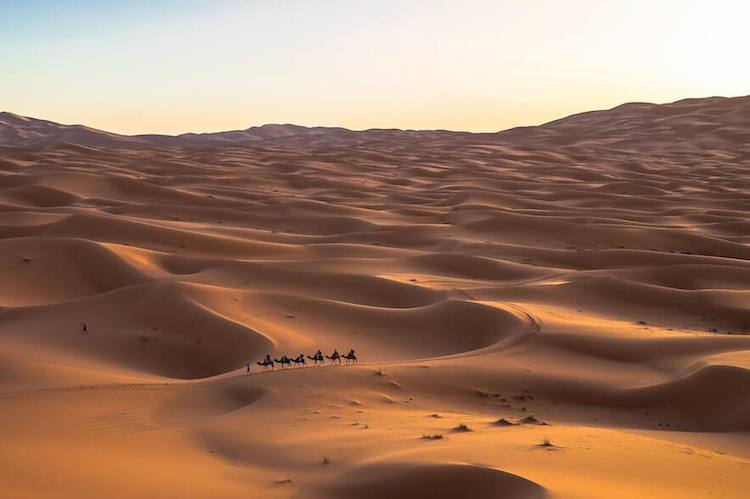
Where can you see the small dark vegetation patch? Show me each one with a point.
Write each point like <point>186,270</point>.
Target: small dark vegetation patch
<point>434,436</point>
<point>531,419</point>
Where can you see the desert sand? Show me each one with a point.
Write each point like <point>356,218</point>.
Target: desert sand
<point>552,311</point>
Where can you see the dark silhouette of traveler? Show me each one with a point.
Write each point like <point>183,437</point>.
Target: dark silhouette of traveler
<point>284,361</point>
<point>248,368</point>
<point>350,357</point>
<point>317,357</point>
<point>335,356</point>
<point>84,329</point>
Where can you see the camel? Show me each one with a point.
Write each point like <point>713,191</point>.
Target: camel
<point>335,356</point>
<point>318,357</point>
<point>266,363</point>
<point>300,359</point>
<point>350,357</point>
<point>284,360</point>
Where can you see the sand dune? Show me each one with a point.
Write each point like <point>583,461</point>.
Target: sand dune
<point>585,282</point>
<point>45,270</point>
<point>438,481</point>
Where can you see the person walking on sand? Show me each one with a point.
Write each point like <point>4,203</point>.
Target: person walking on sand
<point>248,368</point>
<point>84,330</point>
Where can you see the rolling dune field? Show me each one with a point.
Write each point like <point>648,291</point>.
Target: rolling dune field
<point>552,311</point>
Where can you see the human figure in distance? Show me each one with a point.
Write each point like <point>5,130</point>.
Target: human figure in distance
<point>335,356</point>
<point>317,357</point>
<point>350,357</point>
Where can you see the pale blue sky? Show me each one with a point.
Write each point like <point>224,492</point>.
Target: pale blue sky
<point>175,66</point>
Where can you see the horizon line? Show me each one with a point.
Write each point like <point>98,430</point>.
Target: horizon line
<point>157,134</point>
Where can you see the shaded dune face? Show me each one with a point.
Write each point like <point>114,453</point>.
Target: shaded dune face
<point>576,295</point>
<point>438,481</point>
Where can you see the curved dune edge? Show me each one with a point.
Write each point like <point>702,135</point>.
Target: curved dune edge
<point>426,481</point>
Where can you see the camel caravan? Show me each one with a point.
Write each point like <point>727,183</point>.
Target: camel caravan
<point>318,357</point>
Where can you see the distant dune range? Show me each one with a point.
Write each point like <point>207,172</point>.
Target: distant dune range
<point>592,274</point>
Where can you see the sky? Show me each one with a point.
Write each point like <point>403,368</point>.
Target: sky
<point>168,66</point>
